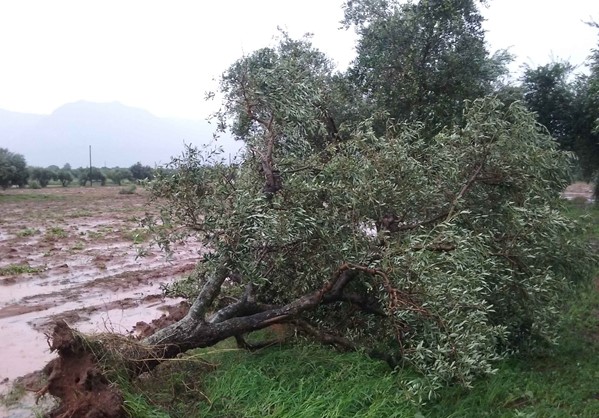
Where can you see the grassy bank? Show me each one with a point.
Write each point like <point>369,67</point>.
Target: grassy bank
<point>313,381</point>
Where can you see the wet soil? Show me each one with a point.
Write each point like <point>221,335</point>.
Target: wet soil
<point>71,254</point>
<point>579,190</point>
<point>76,379</point>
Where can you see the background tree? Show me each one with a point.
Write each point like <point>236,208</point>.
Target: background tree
<point>117,175</point>
<point>53,168</point>
<point>419,61</point>
<point>141,172</point>
<point>586,128</point>
<point>548,92</point>
<point>568,107</point>
<point>65,177</point>
<point>96,175</point>
<point>13,169</point>
<point>42,175</point>
<point>79,172</point>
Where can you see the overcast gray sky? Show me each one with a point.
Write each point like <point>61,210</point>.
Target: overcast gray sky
<point>163,56</point>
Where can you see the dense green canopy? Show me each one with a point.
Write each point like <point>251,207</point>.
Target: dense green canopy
<point>13,169</point>
<point>443,248</point>
<point>408,208</point>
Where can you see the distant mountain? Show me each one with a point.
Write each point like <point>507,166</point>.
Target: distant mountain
<point>12,125</point>
<point>119,136</point>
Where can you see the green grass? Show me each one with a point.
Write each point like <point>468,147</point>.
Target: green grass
<point>27,232</point>
<point>23,197</point>
<point>81,213</point>
<point>302,380</point>
<point>563,382</point>
<point>17,269</point>
<point>137,235</point>
<point>55,233</point>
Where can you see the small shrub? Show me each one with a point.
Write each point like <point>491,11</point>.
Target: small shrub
<point>128,190</point>
<point>34,184</point>
<point>28,232</point>
<point>16,269</point>
<point>56,233</point>
<point>94,234</point>
<point>137,235</point>
<point>77,247</point>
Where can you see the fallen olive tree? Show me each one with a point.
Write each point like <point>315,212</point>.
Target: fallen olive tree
<point>444,253</point>
<point>440,253</point>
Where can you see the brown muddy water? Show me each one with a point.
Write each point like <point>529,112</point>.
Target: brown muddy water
<point>71,254</point>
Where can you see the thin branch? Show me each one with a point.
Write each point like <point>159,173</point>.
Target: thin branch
<point>465,188</point>
<point>415,225</point>
<point>398,299</point>
<point>244,344</point>
<point>209,292</point>
<point>324,337</point>
<point>440,247</point>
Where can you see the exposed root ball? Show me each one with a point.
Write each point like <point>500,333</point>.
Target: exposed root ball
<point>76,379</point>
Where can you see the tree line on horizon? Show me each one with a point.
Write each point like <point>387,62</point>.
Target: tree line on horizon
<point>14,172</point>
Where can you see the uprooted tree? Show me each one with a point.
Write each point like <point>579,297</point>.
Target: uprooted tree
<point>437,251</point>
<point>442,252</point>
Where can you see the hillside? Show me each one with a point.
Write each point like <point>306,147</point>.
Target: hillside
<point>119,135</point>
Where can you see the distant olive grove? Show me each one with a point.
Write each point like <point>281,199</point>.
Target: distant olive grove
<point>14,172</point>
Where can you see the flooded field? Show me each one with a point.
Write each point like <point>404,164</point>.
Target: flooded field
<point>72,254</point>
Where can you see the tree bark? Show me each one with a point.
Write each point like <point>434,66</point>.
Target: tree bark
<point>241,317</point>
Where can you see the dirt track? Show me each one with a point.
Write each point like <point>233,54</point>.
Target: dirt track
<point>71,254</point>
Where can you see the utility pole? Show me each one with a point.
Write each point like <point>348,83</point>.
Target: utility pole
<point>91,182</point>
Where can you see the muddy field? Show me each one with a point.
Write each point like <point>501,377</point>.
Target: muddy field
<point>72,254</point>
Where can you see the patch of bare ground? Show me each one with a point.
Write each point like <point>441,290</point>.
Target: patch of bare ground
<point>82,267</point>
<point>580,190</point>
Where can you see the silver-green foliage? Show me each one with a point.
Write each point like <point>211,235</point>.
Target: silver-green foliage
<point>456,242</point>
<point>13,169</point>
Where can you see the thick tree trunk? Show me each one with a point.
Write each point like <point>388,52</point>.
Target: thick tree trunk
<point>241,317</point>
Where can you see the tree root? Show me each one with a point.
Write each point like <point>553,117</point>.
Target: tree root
<point>76,379</point>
